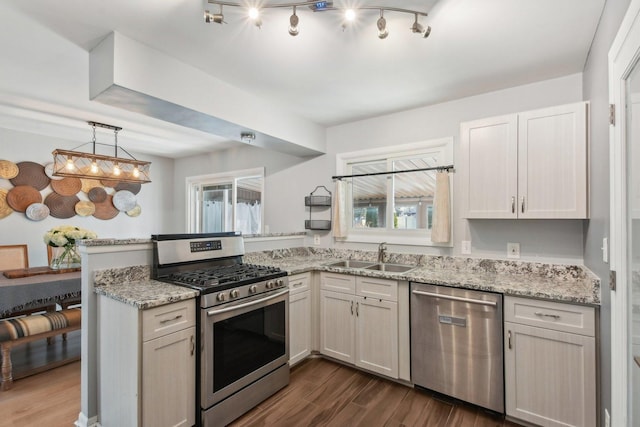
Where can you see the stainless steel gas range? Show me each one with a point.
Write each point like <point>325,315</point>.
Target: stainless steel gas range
<point>243,321</point>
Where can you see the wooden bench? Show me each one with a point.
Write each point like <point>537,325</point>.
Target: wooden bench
<point>22,330</point>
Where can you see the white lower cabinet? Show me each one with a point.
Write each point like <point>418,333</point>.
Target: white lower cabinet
<point>147,364</point>
<point>358,329</point>
<point>550,363</point>
<point>299,317</point>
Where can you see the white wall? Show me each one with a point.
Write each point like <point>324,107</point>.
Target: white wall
<point>596,88</point>
<point>289,179</point>
<point>155,198</point>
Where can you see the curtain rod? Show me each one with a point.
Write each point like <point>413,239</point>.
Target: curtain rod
<point>447,168</point>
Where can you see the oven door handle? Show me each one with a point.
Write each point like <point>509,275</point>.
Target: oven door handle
<point>247,304</point>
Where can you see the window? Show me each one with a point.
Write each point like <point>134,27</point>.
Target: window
<point>395,206</point>
<point>230,201</point>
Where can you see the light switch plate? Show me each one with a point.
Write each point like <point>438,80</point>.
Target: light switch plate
<point>465,248</point>
<point>316,239</point>
<point>605,249</point>
<point>513,250</point>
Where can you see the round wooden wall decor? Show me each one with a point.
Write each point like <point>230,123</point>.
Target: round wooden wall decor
<point>31,173</point>
<point>37,211</point>
<point>67,186</point>
<point>88,184</point>
<point>8,169</point>
<point>97,195</point>
<point>85,208</point>
<point>5,209</point>
<point>20,197</point>
<point>106,210</point>
<point>62,207</point>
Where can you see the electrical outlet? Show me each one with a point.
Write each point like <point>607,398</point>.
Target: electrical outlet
<point>465,249</point>
<point>607,418</point>
<point>316,239</point>
<point>513,250</point>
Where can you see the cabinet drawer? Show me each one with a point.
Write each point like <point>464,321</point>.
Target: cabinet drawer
<point>344,283</point>
<point>163,320</point>
<point>299,283</point>
<point>551,315</point>
<point>377,288</point>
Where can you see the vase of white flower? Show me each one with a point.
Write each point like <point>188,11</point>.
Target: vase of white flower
<point>63,240</point>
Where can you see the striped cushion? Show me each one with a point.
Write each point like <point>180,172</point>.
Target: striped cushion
<point>20,327</point>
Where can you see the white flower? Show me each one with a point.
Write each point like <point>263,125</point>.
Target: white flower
<point>66,235</point>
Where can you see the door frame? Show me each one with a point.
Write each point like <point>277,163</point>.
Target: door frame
<point>623,55</point>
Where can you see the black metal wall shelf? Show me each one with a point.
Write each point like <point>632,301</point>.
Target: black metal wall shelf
<point>319,201</point>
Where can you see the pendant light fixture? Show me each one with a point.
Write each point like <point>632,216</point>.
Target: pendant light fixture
<point>321,7</point>
<point>71,163</point>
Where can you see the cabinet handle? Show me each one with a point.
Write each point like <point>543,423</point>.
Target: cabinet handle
<point>193,345</point>
<point>179,316</point>
<point>513,204</point>
<point>553,316</point>
<point>352,308</point>
<point>295,285</point>
<point>522,204</point>
<point>357,309</point>
<point>509,339</point>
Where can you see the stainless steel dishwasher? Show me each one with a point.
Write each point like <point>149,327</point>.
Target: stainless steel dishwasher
<point>456,343</point>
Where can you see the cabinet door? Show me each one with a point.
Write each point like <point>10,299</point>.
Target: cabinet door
<point>299,326</point>
<point>489,174</point>
<point>552,162</point>
<point>377,336</point>
<point>337,326</point>
<point>168,380</point>
<point>550,376</point>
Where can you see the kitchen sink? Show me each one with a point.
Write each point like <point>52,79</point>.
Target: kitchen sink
<point>351,264</point>
<point>391,268</point>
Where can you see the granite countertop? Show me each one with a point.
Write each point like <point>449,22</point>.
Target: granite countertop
<point>563,283</point>
<point>132,285</point>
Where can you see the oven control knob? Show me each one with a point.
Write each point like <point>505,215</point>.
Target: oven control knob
<point>253,289</point>
<point>269,285</point>
<point>235,293</point>
<point>280,282</point>
<point>221,296</point>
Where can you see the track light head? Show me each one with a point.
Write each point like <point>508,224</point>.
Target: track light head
<point>383,32</point>
<point>218,18</point>
<point>293,23</point>
<point>417,28</point>
<point>254,15</point>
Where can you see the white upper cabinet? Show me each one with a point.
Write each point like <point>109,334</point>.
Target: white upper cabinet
<point>530,165</point>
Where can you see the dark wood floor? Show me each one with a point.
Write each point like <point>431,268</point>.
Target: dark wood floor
<point>323,393</point>
<point>320,393</point>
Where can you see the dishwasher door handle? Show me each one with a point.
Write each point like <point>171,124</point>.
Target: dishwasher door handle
<point>454,298</point>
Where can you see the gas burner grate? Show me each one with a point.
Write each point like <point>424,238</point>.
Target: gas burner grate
<point>230,274</point>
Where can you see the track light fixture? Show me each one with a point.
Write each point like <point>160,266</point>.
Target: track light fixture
<point>319,6</point>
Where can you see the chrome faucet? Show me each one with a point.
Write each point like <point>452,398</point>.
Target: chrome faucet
<point>382,251</point>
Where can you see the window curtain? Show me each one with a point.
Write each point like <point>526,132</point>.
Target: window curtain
<point>441,229</point>
<point>340,220</point>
